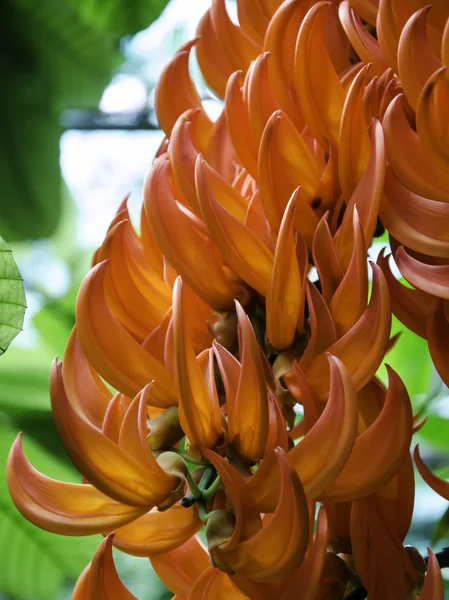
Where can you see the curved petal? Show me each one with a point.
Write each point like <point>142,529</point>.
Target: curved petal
<point>433,583</point>
<point>253,19</point>
<point>101,580</point>
<point>440,486</point>
<point>286,293</point>
<point>199,410</point>
<point>175,93</point>
<point>158,532</point>
<point>379,451</point>
<point>59,507</point>
<point>214,585</point>
<point>325,259</point>
<point>433,279</point>
<point>112,351</point>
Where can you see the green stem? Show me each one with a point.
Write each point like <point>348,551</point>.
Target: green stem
<point>194,489</point>
<point>210,491</point>
<point>188,458</point>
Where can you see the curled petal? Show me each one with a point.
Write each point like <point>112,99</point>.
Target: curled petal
<point>326,260</point>
<point>410,306</point>
<point>431,116</point>
<point>281,545</point>
<point>192,254</point>
<point>416,58</point>
<point>437,335</point>
<point>158,532</point>
<point>245,253</point>
<point>286,292</point>
<point>388,32</point>
<point>407,157</point>
<point>110,349</point>
<point>175,92</point>
<point>100,581</point>
<point>304,583</point>
<point>379,451</point>
<point>420,223</point>
<point>362,349</point>
<point>433,279</point>
<point>318,88</point>
<point>214,585</point>
<point>180,568</point>
<point>59,507</point>
<point>112,469</point>
<point>433,583</point>
<point>440,486</point>
<point>253,19</point>
<point>199,410</point>
<point>260,98</point>
<point>86,390</point>
<point>365,44</point>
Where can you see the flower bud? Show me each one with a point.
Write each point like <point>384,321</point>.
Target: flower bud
<point>173,464</point>
<point>165,429</point>
<point>219,529</point>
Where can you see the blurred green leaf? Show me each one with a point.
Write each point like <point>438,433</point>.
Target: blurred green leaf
<point>12,297</point>
<point>442,528</point>
<point>34,563</point>
<point>434,432</point>
<point>55,321</point>
<point>411,359</point>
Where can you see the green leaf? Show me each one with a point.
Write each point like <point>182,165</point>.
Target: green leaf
<point>35,563</point>
<point>441,531</point>
<point>121,16</point>
<point>12,297</point>
<point>434,432</point>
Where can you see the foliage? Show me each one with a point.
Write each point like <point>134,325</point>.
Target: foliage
<point>12,297</point>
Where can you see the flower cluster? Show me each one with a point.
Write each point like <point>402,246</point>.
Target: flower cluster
<point>245,300</point>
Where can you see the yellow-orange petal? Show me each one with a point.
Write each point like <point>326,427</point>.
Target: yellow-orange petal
<point>379,451</point>
<point>245,254</point>
<point>192,254</point>
<point>110,349</point>
<point>407,157</point>
<point>59,507</point>
<point>199,410</point>
<point>100,581</point>
<point>281,544</point>
<point>416,58</point>
<point>181,567</point>
<point>440,486</point>
<point>304,582</point>
<point>286,292</point>
<point>362,349</point>
<point>410,306</point>
<point>175,92</point>
<point>325,259</point>
<point>433,279</point>
<point>134,477</point>
<point>252,19</point>
<point>433,583</point>
<point>83,386</point>
<point>318,88</point>
<point>351,297</point>
<point>437,332</point>
<point>215,585</point>
<point>158,532</point>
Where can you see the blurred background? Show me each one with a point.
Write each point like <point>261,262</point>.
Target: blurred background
<point>77,134</point>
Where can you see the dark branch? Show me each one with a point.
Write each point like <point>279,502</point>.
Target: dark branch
<point>96,120</point>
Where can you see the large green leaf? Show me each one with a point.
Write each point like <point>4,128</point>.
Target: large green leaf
<point>34,563</point>
<point>12,297</point>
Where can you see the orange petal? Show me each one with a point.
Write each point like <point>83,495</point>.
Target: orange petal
<point>100,581</point>
<point>388,32</point>
<point>253,19</point>
<point>304,582</point>
<point>379,451</point>
<point>246,255</point>
<point>318,88</point>
<point>285,298</point>
<point>199,410</point>
<point>59,507</point>
<point>180,568</point>
<point>433,583</point>
<point>421,224</point>
<point>325,259</point>
<point>158,532</point>
<point>440,486</point>
<point>433,279</point>
<point>362,349</point>
<point>84,387</point>
<point>280,546</point>
<point>175,93</point>
<point>416,58</point>
<point>407,157</point>
<point>410,306</point>
<point>214,585</point>
<point>110,349</point>
<point>135,479</point>
<point>351,296</point>
<point>437,336</point>
<point>192,254</point>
